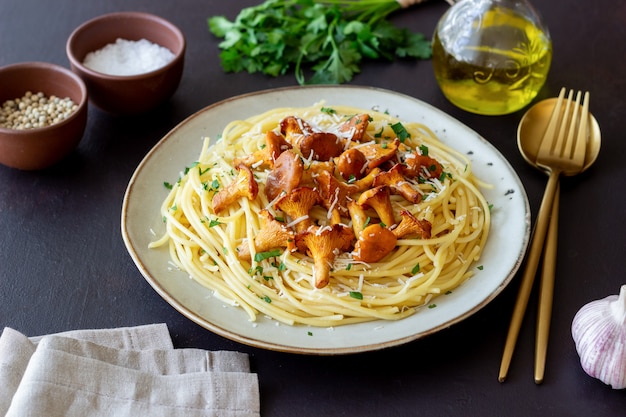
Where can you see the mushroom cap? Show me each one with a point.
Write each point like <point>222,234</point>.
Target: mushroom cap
<point>334,192</point>
<point>351,164</point>
<point>294,128</point>
<point>298,203</point>
<point>272,234</point>
<point>321,146</point>
<point>377,153</point>
<point>285,176</point>
<point>418,165</point>
<point>243,186</point>
<point>275,144</point>
<point>356,126</point>
<point>374,243</point>
<point>395,180</point>
<point>410,226</point>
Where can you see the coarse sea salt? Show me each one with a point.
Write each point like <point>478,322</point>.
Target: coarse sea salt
<point>126,57</point>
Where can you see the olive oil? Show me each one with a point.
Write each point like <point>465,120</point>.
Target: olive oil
<point>491,61</point>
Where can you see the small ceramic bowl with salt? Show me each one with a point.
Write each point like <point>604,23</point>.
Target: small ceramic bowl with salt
<point>131,62</point>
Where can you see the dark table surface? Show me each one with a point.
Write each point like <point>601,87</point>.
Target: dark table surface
<point>63,264</point>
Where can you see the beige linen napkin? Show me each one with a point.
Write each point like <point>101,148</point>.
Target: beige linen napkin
<point>121,372</point>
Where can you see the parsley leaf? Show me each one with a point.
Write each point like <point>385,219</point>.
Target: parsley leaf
<point>321,41</point>
<point>260,256</point>
<point>356,294</point>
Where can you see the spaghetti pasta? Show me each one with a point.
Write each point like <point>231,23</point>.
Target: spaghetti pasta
<point>331,260</point>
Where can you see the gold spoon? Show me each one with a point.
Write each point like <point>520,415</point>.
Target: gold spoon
<point>529,134</point>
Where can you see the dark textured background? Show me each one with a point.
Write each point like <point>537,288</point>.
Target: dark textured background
<point>63,264</point>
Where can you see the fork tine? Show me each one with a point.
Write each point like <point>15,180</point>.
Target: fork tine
<point>563,142</point>
<point>581,140</point>
<point>548,143</point>
<point>568,150</point>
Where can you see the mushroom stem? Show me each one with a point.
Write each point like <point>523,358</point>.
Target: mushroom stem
<point>358,217</point>
<point>322,244</point>
<point>378,199</point>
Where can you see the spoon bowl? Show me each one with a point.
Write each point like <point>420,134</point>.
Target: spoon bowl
<point>533,125</point>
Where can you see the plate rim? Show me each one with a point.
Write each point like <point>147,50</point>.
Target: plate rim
<point>281,347</point>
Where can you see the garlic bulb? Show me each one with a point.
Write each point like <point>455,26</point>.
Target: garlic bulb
<point>599,331</point>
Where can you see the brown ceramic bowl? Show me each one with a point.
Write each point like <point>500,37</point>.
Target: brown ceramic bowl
<point>38,148</point>
<point>127,94</point>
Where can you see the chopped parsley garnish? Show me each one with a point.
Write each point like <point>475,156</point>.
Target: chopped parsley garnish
<point>400,131</point>
<point>356,294</point>
<point>213,223</point>
<point>261,256</point>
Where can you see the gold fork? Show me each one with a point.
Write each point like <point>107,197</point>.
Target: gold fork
<point>562,148</point>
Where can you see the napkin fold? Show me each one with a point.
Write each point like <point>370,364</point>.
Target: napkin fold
<point>132,371</point>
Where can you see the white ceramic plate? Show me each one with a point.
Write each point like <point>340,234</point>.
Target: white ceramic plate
<point>502,256</point>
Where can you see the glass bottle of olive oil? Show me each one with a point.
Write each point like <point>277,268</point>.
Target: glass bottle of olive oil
<point>491,56</point>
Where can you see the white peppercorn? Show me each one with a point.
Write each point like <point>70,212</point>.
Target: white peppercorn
<point>35,110</point>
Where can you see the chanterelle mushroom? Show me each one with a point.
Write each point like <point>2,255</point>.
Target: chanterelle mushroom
<point>320,146</point>
<point>273,234</point>
<point>312,170</point>
<point>367,181</point>
<point>378,199</point>
<point>377,154</point>
<point>322,244</point>
<point>356,126</point>
<point>351,164</point>
<point>297,205</point>
<point>285,176</point>
<point>244,186</point>
<point>422,165</point>
<point>275,144</point>
<point>410,226</point>
<point>358,217</point>
<point>334,192</point>
<point>398,184</point>
<point>374,244</point>
<point>294,129</point>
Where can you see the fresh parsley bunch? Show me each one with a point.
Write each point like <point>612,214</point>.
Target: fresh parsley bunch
<point>325,38</point>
